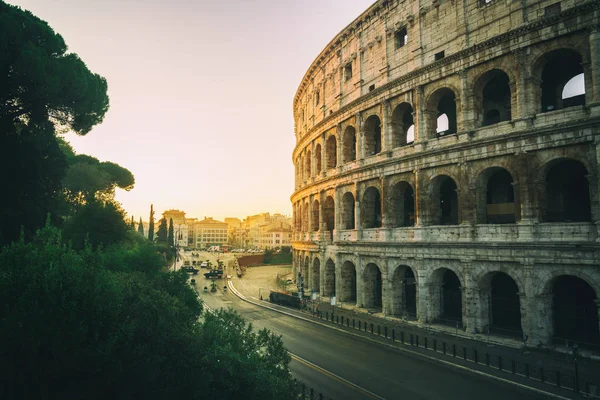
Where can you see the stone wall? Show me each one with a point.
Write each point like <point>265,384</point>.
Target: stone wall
<point>493,215</point>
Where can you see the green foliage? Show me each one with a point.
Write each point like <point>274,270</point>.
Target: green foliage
<point>141,227</point>
<point>162,233</point>
<point>97,223</point>
<point>151,224</point>
<point>96,325</point>
<point>132,224</point>
<point>41,82</point>
<point>273,258</point>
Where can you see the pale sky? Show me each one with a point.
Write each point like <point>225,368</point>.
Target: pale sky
<point>200,94</point>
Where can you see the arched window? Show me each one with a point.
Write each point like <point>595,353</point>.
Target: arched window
<point>494,97</point>
<point>560,68</point>
<point>497,197</point>
<point>318,159</point>
<point>372,136</point>
<point>402,206</point>
<point>444,201</point>
<point>308,161</point>
<point>349,145</point>
<point>329,213</point>
<point>348,211</point>
<point>567,193</point>
<point>371,209</point>
<point>331,152</point>
<point>315,215</point>
<point>446,111</point>
<point>402,122</point>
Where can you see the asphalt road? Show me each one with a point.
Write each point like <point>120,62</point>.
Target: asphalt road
<point>344,366</point>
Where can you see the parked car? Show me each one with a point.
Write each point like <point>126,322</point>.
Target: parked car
<point>190,269</point>
<point>204,265</point>
<point>215,273</point>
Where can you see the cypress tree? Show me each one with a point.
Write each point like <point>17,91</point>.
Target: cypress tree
<point>141,227</point>
<point>171,237</point>
<point>151,224</point>
<point>132,224</point>
<point>161,235</point>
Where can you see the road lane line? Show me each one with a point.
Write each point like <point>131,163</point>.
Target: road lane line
<point>402,349</point>
<point>338,378</point>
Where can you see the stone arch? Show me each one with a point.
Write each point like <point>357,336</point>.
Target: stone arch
<point>307,169</point>
<point>442,102</point>
<point>372,286</point>
<point>371,208</point>
<point>315,283</point>
<point>329,214</point>
<point>554,69</point>
<point>331,152</point>
<point>501,304</point>
<point>348,286</point>
<point>318,156</point>
<point>444,196</point>
<point>315,215</point>
<point>493,97</point>
<point>348,212</point>
<point>349,145</point>
<point>329,278</point>
<point>404,292</point>
<point>446,296</point>
<point>304,271</point>
<point>497,199</point>
<point>566,196</point>
<point>574,307</point>
<point>305,218</point>
<point>372,136</point>
<point>401,209</point>
<point>403,126</point>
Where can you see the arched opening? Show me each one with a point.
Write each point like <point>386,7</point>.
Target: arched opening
<point>315,216</point>
<point>308,161</point>
<point>318,159</point>
<point>331,152</point>
<point>329,283</point>
<point>373,287</point>
<point>402,206</point>
<point>402,121</point>
<point>500,197</point>
<point>371,211</point>
<point>494,97</point>
<point>575,312</point>
<point>315,285</point>
<point>348,211</point>
<point>305,218</point>
<point>446,112</point>
<point>560,67</point>
<point>348,294</point>
<point>329,213</point>
<point>349,145</point>
<point>305,267</point>
<point>447,292</point>
<point>404,293</point>
<point>372,136</point>
<point>504,305</point>
<point>446,200</point>
<point>567,193</point>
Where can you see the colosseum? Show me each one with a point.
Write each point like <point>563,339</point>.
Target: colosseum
<point>447,167</point>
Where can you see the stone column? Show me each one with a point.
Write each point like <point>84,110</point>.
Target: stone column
<point>359,136</point>
<point>338,145</point>
<point>357,221</point>
<point>386,126</point>
<point>420,123</point>
<point>386,292</point>
<point>598,310</point>
<point>359,281</point>
<point>467,108</point>
<point>594,70</point>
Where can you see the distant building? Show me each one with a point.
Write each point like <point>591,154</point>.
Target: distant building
<point>210,232</point>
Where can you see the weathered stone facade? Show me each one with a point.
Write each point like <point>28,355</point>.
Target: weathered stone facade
<point>444,172</point>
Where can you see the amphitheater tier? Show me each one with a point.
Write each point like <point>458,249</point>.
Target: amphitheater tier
<point>446,167</point>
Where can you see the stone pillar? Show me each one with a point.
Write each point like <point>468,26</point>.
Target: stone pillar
<point>467,107</point>
<point>359,136</point>
<point>594,187</point>
<point>386,292</point>
<point>594,69</point>
<point>338,145</point>
<point>598,310</point>
<point>357,221</point>
<point>382,183</point>
<point>527,101</point>
<point>544,327</point>
<point>420,123</point>
<point>359,281</point>
<point>386,126</point>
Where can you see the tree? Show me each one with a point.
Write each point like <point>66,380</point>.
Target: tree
<point>162,233</point>
<point>171,237</point>
<point>141,227</point>
<point>44,89</point>
<point>97,223</point>
<point>151,224</point>
<point>132,224</point>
